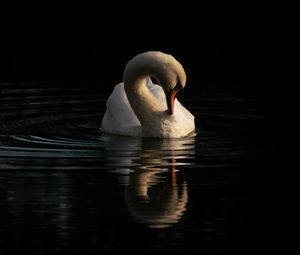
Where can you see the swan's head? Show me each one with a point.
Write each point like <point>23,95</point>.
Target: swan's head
<point>164,68</point>
<point>171,76</point>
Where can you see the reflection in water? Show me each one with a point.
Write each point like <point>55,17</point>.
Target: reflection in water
<point>154,203</point>
<point>57,194</point>
<point>154,194</point>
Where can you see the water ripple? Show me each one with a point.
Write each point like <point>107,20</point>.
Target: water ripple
<point>43,122</point>
<point>66,183</point>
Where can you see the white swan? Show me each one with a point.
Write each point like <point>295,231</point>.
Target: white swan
<point>139,108</point>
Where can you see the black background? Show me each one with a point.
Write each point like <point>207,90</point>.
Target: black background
<point>226,61</point>
<point>247,64</point>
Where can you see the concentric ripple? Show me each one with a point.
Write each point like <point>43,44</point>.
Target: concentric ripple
<point>54,121</point>
<point>66,186</point>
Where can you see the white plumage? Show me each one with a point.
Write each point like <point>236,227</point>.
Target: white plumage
<point>146,114</point>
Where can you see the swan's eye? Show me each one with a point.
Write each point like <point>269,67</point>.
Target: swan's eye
<point>178,88</point>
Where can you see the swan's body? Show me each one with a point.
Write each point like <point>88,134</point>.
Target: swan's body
<point>139,108</point>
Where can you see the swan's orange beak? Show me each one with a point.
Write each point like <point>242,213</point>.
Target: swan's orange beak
<point>170,100</point>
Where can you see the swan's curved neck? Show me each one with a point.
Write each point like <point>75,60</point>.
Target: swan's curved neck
<point>145,105</point>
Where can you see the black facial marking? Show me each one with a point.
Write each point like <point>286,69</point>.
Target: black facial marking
<point>178,88</point>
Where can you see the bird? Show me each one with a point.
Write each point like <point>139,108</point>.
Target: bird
<point>137,107</point>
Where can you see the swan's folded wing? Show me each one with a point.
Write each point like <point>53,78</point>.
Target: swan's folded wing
<point>157,91</point>
<point>119,117</point>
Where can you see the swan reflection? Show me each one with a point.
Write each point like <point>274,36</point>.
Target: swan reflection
<point>155,193</point>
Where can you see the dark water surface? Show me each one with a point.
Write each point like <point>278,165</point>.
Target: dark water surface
<point>66,187</point>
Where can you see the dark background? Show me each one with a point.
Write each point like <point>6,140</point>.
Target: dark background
<point>226,62</point>
<point>247,65</point>
<point>244,64</point>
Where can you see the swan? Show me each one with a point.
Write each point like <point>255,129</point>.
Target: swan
<point>137,107</point>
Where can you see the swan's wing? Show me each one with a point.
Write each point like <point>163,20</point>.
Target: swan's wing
<point>157,91</point>
<point>119,117</point>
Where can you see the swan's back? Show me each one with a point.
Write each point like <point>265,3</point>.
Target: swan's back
<point>119,117</point>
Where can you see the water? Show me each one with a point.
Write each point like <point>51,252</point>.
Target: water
<point>66,187</point>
